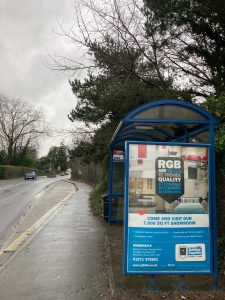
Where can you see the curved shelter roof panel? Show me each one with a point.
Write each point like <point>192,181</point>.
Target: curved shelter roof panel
<point>164,121</point>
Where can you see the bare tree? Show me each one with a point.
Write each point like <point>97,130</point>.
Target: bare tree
<point>21,127</point>
<point>123,21</point>
<point>133,25</point>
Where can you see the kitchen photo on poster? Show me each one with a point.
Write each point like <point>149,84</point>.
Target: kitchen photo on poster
<point>168,179</point>
<point>167,212</point>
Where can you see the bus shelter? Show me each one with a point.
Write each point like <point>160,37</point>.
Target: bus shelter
<point>162,185</point>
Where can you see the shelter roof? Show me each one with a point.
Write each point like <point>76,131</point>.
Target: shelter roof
<point>164,120</point>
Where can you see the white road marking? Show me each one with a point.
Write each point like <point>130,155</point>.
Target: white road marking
<point>12,185</point>
<point>8,186</point>
<point>25,235</point>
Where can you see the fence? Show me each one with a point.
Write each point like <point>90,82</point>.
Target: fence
<point>80,171</point>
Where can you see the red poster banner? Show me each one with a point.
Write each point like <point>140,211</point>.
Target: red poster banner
<point>142,151</point>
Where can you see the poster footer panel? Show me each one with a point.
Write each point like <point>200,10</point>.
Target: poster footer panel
<point>168,250</point>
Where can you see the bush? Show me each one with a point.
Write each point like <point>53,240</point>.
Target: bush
<point>100,189</point>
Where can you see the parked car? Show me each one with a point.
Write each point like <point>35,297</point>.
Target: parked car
<point>30,175</point>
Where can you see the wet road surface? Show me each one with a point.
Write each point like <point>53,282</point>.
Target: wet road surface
<point>65,259</point>
<point>16,197</point>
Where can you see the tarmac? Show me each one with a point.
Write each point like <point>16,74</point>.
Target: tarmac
<point>70,254</point>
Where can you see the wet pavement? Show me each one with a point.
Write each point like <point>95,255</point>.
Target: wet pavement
<point>73,255</point>
<point>65,259</point>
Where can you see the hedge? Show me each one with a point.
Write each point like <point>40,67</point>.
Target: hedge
<point>8,171</point>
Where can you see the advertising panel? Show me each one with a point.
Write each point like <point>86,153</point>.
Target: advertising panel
<point>167,210</point>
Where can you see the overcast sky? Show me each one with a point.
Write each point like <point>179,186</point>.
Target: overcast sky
<point>27,34</point>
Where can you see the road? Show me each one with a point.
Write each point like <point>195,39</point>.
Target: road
<point>66,258</point>
<point>16,196</point>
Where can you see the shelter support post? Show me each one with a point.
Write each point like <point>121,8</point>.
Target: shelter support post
<point>110,187</point>
<point>182,283</point>
<point>153,286</point>
<point>214,213</point>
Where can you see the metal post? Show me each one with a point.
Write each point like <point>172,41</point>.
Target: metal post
<point>110,187</point>
<point>153,286</point>
<point>182,285</point>
<point>213,207</point>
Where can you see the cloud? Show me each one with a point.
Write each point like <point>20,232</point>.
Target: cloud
<point>27,30</point>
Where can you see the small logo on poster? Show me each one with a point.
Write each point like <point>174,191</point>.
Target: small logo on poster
<point>190,252</point>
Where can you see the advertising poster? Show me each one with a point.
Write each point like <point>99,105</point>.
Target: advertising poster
<point>167,217</point>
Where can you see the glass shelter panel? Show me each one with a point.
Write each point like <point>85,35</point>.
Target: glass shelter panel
<point>117,207</point>
<point>118,177</point>
<point>169,112</point>
<point>200,138</point>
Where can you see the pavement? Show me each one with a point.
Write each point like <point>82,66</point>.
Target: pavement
<point>64,254</point>
<point>62,251</point>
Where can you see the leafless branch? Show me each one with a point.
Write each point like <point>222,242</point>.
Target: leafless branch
<point>20,125</point>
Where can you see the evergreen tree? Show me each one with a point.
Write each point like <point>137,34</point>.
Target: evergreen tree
<point>57,158</point>
<point>62,157</point>
<point>194,39</point>
<point>105,98</point>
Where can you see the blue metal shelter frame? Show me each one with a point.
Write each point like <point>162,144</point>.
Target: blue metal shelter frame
<point>165,121</point>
